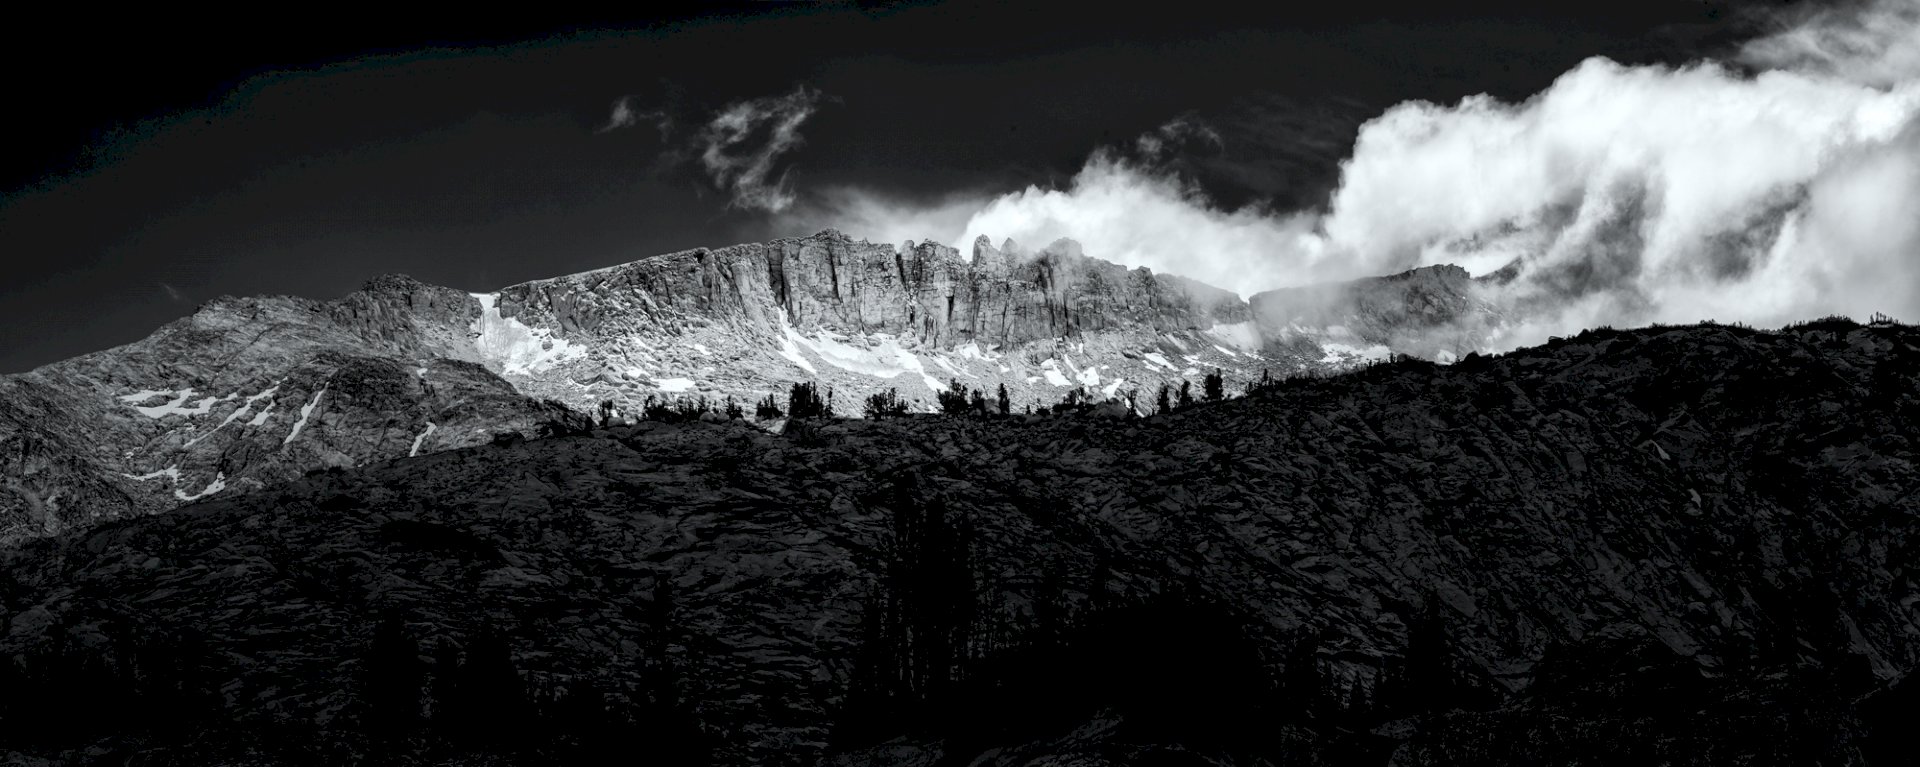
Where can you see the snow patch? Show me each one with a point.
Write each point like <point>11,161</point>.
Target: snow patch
<point>1051,369</point>
<point>514,346</point>
<point>791,351</point>
<point>1225,350</point>
<point>420,439</point>
<point>241,412</point>
<point>884,359</point>
<point>218,484</point>
<point>1159,359</point>
<point>673,385</point>
<point>146,394</point>
<point>942,362</point>
<point>1113,387</point>
<point>175,406</point>
<point>1337,353</point>
<point>171,473</point>
<point>1240,335</point>
<point>306,411</point>
<point>702,349</point>
<point>1090,376</point>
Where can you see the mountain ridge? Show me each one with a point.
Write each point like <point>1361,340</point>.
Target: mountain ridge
<point>246,392</point>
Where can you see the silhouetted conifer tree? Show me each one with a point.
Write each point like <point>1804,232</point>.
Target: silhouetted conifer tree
<point>804,402</point>
<point>767,409</point>
<point>954,401</point>
<point>919,626</point>
<point>480,700</point>
<point>393,679</point>
<point>886,404</point>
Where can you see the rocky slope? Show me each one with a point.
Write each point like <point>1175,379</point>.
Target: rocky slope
<point>1683,546</point>
<point>249,392</point>
<point>246,393</point>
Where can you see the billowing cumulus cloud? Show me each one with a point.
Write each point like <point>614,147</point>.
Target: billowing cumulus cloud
<point>1123,211</point>
<point>1619,195</point>
<point>1629,195</point>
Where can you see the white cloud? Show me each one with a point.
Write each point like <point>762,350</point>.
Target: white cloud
<point>1872,43</point>
<point>625,114</point>
<point>869,215</point>
<point>741,143</point>
<point>1621,194</point>
<point>1633,194</point>
<point>1121,211</point>
<point>1157,143</point>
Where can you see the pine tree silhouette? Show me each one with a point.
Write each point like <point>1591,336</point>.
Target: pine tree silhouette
<point>919,629</point>
<point>393,679</point>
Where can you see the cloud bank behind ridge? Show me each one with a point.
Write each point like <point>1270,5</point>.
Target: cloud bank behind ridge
<point>1619,195</point>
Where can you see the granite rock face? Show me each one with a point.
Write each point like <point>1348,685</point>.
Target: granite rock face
<point>863,317</point>
<point>1688,546</point>
<point>925,292</point>
<point>248,392</point>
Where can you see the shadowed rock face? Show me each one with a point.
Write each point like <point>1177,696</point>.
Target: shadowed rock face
<point>1422,311</point>
<point>245,393</point>
<point>1675,545</point>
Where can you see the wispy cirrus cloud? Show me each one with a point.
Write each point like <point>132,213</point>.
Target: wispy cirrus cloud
<point>1872,42</point>
<point>626,113</point>
<point>741,144</point>
<point>739,147</point>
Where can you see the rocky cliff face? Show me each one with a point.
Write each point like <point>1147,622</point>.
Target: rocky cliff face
<point>1686,546</point>
<point>862,317</point>
<point>248,392</point>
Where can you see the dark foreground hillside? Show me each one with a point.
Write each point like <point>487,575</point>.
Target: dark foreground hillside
<point>1688,546</point>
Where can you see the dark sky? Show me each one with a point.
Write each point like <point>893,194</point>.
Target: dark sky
<point>161,162</point>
